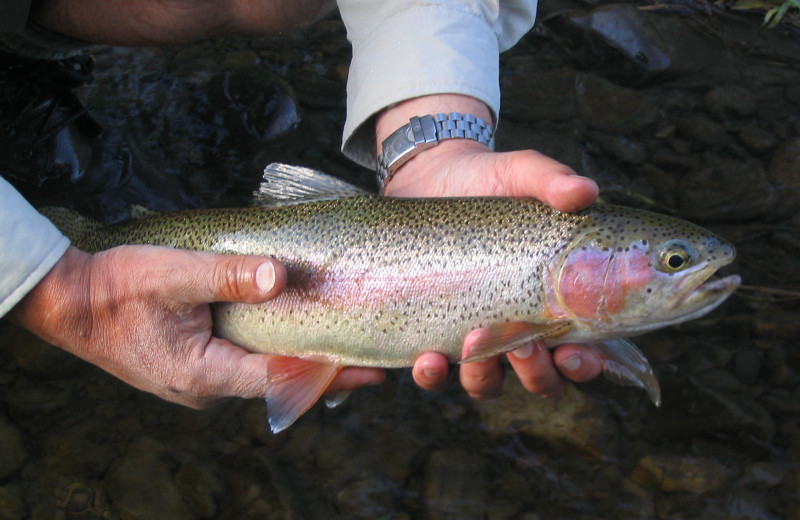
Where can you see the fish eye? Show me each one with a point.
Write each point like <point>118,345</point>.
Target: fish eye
<point>676,255</point>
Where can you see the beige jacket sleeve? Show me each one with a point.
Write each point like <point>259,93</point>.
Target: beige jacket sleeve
<point>29,247</point>
<point>404,49</point>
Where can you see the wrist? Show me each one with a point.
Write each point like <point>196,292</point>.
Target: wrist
<point>429,127</point>
<point>58,307</point>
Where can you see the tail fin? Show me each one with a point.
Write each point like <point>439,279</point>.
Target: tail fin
<point>74,225</point>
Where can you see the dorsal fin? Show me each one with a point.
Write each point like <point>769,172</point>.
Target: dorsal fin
<point>286,184</point>
<point>138,211</point>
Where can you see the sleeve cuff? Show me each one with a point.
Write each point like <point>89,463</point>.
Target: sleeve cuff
<point>30,246</point>
<point>394,63</point>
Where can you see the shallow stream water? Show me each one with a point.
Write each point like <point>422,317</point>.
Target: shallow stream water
<point>685,110</point>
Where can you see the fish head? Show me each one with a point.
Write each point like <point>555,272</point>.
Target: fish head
<point>626,272</point>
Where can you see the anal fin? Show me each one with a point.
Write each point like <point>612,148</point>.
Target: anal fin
<point>624,364</point>
<point>294,385</point>
<point>505,337</point>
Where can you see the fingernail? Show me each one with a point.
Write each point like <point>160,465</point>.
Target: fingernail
<point>572,363</point>
<point>265,277</point>
<point>581,177</point>
<point>431,373</point>
<point>524,352</point>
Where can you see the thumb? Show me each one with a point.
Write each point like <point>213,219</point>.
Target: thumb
<point>528,173</point>
<point>236,278</point>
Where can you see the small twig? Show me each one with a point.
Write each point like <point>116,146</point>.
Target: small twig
<point>770,290</point>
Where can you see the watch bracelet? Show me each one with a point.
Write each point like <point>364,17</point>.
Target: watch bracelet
<point>454,125</point>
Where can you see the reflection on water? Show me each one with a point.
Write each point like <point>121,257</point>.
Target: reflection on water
<point>697,115</point>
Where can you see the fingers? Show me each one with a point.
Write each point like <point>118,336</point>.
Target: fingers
<point>481,379</point>
<point>537,373</point>
<point>351,378</point>
<point>528,173</point>
<point>430,371</point>
<point>539,370</point>
<point>577,362</point>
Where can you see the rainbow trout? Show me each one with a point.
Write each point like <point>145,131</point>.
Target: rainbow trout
<point>375,281</point>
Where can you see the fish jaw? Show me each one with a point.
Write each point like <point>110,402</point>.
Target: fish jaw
<point>700,295</point>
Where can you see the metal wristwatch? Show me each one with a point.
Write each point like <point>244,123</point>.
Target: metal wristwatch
<point>423,132</point>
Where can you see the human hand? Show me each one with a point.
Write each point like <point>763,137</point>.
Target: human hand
<point>468,168</point>
<point>141,313</point>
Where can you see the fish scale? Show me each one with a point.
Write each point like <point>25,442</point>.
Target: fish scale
<point>376,281</point>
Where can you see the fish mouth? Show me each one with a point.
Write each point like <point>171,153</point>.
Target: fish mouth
<point>701,293</point>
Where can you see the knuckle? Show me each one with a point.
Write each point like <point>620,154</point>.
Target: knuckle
<point>232,279</point>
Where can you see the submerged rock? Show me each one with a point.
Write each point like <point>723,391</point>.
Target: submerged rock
<point>653,41</point>
<point>142,487</point>
<point>12,451</point>
<point>783,172</point>
<point>726,188</point>
<point>12,507</point>
<point>612,108</point>
<point>672,473</point>
<point>569,421</point>
<point>455,486</point>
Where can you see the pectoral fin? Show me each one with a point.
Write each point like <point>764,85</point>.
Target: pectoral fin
<point>624,364</point>
<point>505,337</point>
<point>294,385</point>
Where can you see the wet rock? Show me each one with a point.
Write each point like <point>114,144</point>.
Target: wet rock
<point>35,355</point>
<point>199,487</point>
<point>719,379</point>
<point>788,239</point>
<point>141,485</point>
<point>569,421</point>
<point>538,96</point>
<point>79,500</point>
<point>12,506</point>
<point>674,474</point>
<point>782,172</point>
<point>369,498</point>
<point>680,506</point>
<point>745,505</point>
<point>502,510</point>
<point>556,140</point>
<point>611,108</point>
<point>663,182</point>
<point>777,323</point>
<point>654,42</point>
<point>763,475</point>
<point>757,139</point>
<point>86,449</point>
<point>730,101</point>
<point>701,131</point>
<point>667,159</point>
<point>726,189</point>
<point>455,485</point>
<point>747,364</point>
<point>239,59</point>
<point>793,93</point>
<point>620,147</point>
<point>12,450</point>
